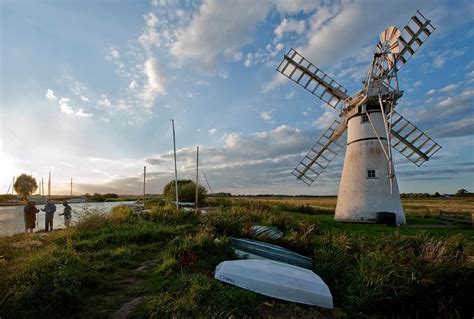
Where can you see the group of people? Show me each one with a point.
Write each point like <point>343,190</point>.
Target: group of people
<point>30,211</point>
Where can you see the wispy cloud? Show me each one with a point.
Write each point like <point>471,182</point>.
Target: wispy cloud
<point>50,95</point>
<point>156,81</point>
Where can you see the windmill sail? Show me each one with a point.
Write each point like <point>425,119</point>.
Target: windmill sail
<point>321,154</point>
<point>410,141</point>
<point>303,72</point>
<point>413,35</point>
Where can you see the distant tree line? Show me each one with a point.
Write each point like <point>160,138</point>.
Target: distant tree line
<point>97,197</point>
<point>459,193</point>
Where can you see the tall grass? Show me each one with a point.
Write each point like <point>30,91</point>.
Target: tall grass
<point>79,272</point>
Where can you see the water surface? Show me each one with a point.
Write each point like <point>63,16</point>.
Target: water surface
<point>12,218</point>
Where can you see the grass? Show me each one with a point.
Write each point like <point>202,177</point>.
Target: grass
<point>167,260</point>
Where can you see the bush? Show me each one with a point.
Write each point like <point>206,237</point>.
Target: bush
<point>186,191</point>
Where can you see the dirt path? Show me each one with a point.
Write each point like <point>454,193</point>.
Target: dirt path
<point>129,283</point>
<point>126,308</point>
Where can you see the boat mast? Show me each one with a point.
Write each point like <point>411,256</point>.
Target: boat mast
<point>144,179</point>
<point>49,185</point>
<point>175,167</point>
<point>197,177</point>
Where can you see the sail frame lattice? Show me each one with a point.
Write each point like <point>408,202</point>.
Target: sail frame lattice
<point>321,154</point>
<point>295,67</point>
<point>410,141</point>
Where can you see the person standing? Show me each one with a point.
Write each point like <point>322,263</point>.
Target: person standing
<point>67,213</point>
<point>30,211</point>
<point>49,209</point>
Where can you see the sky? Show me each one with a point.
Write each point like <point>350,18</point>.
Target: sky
<point>88,88</point>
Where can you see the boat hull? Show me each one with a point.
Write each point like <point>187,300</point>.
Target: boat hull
<point>275,279</point>
<point>250,248</point>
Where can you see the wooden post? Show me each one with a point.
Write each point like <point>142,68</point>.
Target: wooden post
<point>71,186</point>
<point>175,167</point>
<point>197,178</point>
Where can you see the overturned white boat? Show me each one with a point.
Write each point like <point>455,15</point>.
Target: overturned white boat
<point>275,279</point>
<point>253,249</point>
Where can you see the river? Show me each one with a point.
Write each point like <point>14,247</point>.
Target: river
<point>12,218</point>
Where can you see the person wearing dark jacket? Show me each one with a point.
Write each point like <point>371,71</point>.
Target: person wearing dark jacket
<point>30,216</point>
<point>49,209</point>
<point>67,213</point>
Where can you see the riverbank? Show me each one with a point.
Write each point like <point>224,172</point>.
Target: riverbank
<point>161,264</point>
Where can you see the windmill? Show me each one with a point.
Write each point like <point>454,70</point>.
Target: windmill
<point>368,124</point>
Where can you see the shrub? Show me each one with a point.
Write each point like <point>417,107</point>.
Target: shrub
<point>186,191</point>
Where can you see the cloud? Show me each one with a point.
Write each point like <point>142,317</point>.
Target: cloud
<point>219,30</point>
<point>266,116</point>
<point>212,130</point>
<point>50,95</point>
<point>445,116</point>
<point>223,74</point>
<point>247,162</point>
<point>84,98</point>
<point>150,37</point>
<point>156,81</point>
<point>449,88</point>
<point>277,80</point>
<point>104,101</point>
<point>202,83</point>
<point>464,127</point>
<point>112,54</point>
<point>132,85</point>
<point>289,25</point>
<point>64,105</point>
<point>295,6</point>
<point>325,120</point>
<point>83,113</point>
<point>439,61</point>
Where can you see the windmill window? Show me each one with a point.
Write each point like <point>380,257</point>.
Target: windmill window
<point>371,173</point>
<point>365,118</point>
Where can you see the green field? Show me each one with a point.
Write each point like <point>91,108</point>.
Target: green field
<point>160,264</point>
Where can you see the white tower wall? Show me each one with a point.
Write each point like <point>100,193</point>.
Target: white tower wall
<point>361,197</point>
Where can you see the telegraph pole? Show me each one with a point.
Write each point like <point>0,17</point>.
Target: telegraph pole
<point>71,186</point>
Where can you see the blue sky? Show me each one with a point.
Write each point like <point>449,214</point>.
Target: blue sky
<point>88,89</point>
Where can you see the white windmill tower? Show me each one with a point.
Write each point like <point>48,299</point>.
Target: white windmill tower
<point>370,124</point>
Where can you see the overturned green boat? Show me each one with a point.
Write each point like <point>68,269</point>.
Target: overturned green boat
<point>253,249</point>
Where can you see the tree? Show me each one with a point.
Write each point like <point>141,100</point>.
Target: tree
<point>111,195</point>
<point>186,191</point>
<point>98,197</point>
<point>461,192</point>
<point>25,185</point>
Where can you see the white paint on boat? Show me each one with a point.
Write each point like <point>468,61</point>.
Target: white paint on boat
<point>275,279</point>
